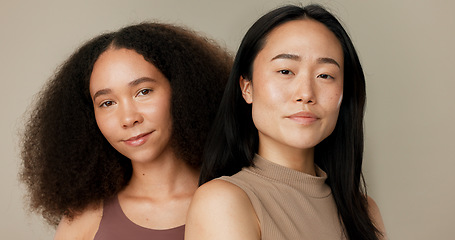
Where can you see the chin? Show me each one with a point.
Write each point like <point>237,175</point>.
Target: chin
<point>308,141</point>
<point>139,158</point>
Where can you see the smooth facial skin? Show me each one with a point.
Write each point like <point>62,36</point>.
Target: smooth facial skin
<point>132,100</point>
<point>296,91</point>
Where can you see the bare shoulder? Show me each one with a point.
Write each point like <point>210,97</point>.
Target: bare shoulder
<point>83,226</point>
<point>375,215</point>
<point>221,210</point>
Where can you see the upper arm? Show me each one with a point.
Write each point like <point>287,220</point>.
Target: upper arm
<point>83,226</point>
<point>221,210</point>
<point>376,217</point>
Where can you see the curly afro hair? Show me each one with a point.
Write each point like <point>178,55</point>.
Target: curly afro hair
<point>67,164</point>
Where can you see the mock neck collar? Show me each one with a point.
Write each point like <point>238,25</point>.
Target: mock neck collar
<point>314,186</point>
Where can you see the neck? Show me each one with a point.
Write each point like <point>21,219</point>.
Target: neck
<point>301,160</point>
<point>163,177</point>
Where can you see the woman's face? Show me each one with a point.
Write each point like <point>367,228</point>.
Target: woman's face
<point>132,100</point>
<point>297,86</point>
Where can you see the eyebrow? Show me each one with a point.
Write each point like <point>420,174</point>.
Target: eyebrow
<point>130,84</point>
<point>287,56</point>
<point>101,92</point>
<point>140,80</point>
<point>328,60</point>
<point>298,58</point>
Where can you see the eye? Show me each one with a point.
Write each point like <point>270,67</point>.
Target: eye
<point>143,92</point>
<point>325,76</point>
<point>285,72</point>
<point>107,104</point>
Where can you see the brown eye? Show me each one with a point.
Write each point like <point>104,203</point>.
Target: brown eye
<point>325,76</point>
<point>144,91</point>
<point>107,104</point>
<point>285,72</point>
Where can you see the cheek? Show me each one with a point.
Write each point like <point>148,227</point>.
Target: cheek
<point>164,107</point>
<point>104,124</point>
<point>333,97</point>
<point>340,99</point>
<point>265,102</point>
<point>332,106</point>
<point>159,113</point>
<point>161,117</point>
<point>270,93</point>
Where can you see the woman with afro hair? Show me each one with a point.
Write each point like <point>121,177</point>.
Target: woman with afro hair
<point>113,144</point>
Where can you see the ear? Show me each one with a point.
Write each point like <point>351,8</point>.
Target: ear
<point>247,90</point>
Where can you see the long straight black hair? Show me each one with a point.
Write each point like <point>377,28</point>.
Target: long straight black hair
<point>233,140</point>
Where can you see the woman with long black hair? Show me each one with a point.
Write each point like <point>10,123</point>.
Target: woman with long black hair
<point>287,143</point>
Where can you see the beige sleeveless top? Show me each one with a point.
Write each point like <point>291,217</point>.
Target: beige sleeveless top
<point>289,204</point>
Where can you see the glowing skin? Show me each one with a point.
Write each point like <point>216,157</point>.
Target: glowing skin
<point>132,100</point>
<point>296,92</point>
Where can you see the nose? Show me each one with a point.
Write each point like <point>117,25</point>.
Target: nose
<point>130,115</point>
<point>304,91</point>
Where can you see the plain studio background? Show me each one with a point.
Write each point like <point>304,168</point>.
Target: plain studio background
<point>406,48</point>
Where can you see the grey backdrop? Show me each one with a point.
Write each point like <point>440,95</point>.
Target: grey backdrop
<point>406,47</point>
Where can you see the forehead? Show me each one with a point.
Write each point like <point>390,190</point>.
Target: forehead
<point>304,37</point>
<point>120,67</point>
<point>120,60</point>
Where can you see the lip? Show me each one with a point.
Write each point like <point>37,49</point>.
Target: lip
<point>138,140</point>
<point>304,118</point>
